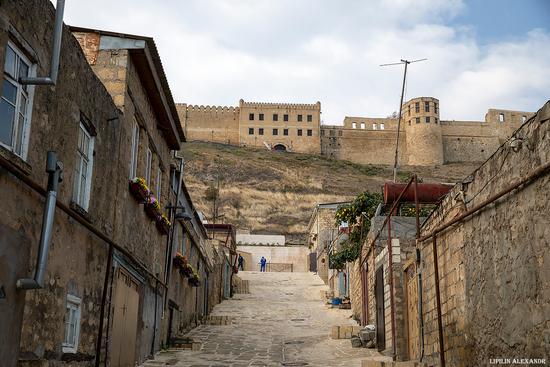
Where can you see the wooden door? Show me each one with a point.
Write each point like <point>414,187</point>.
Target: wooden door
<point>123,342</point>
<point>380,323</point>
<point>413,330</point>
<point>313,262</point>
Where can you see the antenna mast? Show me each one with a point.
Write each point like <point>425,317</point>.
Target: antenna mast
<point>406,62</point>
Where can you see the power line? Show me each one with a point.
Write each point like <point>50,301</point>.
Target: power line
<point>406,63</point>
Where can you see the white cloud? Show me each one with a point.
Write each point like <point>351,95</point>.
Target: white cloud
<point>218,51</point>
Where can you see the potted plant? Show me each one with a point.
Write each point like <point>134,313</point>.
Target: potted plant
<point>180,261</point>
<point>139,189</point>
<point>152,207</point>
<point>194,280</point>
<point>163,224</point>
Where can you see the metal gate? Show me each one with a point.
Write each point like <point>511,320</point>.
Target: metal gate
<point>123,341</point>
<point>412,312</point>
<point>380,323</point>
<point>313,262</point>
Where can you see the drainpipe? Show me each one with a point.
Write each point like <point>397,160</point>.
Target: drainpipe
<point>56,50</point>
<point>418,269</point>
<point>54,169</point>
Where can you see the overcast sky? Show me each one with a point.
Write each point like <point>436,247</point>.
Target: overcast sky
<point>481,54</point>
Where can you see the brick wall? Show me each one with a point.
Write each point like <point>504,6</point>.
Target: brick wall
<point>494,266</point>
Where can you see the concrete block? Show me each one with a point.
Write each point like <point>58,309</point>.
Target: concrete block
<point>355,330</point>
<point>345,332</point>
<point>367,363</point>
<point>335,332</point>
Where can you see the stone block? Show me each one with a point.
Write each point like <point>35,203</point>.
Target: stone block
<point>345,332</point>
<point>335,332</point>
<point>367,363</point>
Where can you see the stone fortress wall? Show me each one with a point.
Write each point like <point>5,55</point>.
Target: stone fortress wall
<point>280,126</point>
<point>424,140</point>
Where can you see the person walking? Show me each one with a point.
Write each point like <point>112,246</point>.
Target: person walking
<point>263,261</point>
<point>241,262</point>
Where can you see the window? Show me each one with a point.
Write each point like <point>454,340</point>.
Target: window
<point>362,125</point>
<point>418,120</point>
<point>250,131</point>
<point>285,132</point>
<point>275,117</point>
<point>501,117</point>
<point>523,118</point>
<point>409,110</point>
<point>299,132</point>
<point>275,131</point>
<point>427,119</point>
<point>260,117</point>
<point>416,107</point>
<point>354,125</point>
<point>435,120</point>
<point>309,132</point>
<point>159,183</point>
<point>16,101</point>
<point>309,118</point>
<point>339,132</point>
<point>261,131</point>
<point>251,116</point>
<point>83,167</point>
<point>72,324</point>
<point>331,132</point>
<point>175,177</point>
<point>381,126</point>
<point>436,108</point>
<point>426,106</point>
<point>148,165</point>
<point>374,126</point>
<point>135,150</point>
<point>285,117</point>
<point>299,118</point>
<point>322,132</point>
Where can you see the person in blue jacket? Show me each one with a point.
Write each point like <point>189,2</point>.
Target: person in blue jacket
<point>262,263</point>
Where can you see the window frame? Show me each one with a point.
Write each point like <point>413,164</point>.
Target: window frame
<point>134,150</point>
<point>275,117</point>
<point>260,117</point>
<point>285,117</point>
<point>250,117</point>
<point>375,126</point>
<point>382,126</point>
<point>275,132</point>
<point>309,132</point>
<point>354,125</point>
<point>299,132</point>
<point>250,131</point>
<point>25,130</point>
<point>417,120</point>
<point>77,303</point>
<point>426,106</point>
<point>260,131</point>
<point>309,118</point>
<point>299,118</point>
<point>285,132</point>
<point>427,120</point>
<point>501,117</point>
<point>159,183</point>
<point>362,125</point>
<point>79,198</point>
<point>417,107</point>
<point>148,167</point>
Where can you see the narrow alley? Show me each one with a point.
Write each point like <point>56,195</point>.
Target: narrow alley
<point>282,322</point>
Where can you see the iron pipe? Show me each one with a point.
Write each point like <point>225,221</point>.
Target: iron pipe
<point>427,193</point>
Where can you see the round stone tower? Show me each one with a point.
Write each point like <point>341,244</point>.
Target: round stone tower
<point>423,132</point>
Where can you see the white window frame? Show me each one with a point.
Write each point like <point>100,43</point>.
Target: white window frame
<point>382,127</point>
<point>135,151</point>
<point>500,117</point>
<point>374,126</point>
<point>27,118</point>
<point>159,183</point>
<point>73,303</point>
<point>363,125</point>
<point>83,199</point>
<point>354,125</point>
<point>523,119</point>
<point>148,167</point>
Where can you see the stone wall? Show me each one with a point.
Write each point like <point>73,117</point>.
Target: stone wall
<point>295,255</point>
<point>218,124</point>
<point>493,266</point>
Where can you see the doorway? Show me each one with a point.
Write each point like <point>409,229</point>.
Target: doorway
<point>126,304</point>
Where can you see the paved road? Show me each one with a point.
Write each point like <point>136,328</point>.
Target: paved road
<point>282,322</point>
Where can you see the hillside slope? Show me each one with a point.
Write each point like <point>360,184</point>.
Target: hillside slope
<point>275,192</point>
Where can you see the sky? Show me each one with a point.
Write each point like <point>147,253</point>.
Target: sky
<point>481,53</point>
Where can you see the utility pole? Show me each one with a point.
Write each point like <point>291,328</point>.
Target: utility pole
<point>406,62</point>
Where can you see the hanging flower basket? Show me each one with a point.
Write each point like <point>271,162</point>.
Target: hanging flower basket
<point>180,261</point>
<point>163,224</point>
<point>139,189</point>
<point>152,207</point>
<point>187,270</point>
<point>194,280</point>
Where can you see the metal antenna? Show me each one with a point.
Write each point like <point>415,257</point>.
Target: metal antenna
<point>406,62</point>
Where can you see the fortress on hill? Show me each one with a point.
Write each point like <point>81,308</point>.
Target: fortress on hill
<point>424,139</point>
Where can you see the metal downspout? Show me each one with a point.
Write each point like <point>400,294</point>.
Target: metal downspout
<point>54,169</point>
<point>56,50</point>
<point>438,304</point>
<point>418,270</point>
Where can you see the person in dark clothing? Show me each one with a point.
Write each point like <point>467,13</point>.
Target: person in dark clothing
<point>262,263</point>
<point>241,262</point>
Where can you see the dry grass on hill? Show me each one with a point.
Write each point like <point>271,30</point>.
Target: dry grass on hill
<point>275,192</point>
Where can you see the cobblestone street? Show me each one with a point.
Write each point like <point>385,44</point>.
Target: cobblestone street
<point>282,322</point>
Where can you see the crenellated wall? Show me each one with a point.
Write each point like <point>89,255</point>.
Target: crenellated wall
<point>218,124</point>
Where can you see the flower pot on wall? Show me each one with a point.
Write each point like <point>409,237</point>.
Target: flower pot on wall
<point>139,189</point>
<point>152,207</point>
<point>163,224</point>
